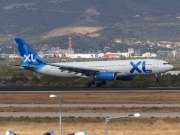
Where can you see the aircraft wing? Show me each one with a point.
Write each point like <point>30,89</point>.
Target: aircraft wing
<point>85,71</point>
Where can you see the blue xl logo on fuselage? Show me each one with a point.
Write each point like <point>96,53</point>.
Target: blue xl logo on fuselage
<point>135,67</point>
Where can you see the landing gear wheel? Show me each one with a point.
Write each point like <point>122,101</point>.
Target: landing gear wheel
<point>98,84</point>
<point>87,85</point>
<point>92,82</point>
<point>103,83</point>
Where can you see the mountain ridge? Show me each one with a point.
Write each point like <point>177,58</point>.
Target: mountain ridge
<point>36,17</point>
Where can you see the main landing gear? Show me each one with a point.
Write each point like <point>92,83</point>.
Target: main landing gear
<point>98,84</point>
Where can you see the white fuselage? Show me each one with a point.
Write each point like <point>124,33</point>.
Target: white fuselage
<point>121,67</point>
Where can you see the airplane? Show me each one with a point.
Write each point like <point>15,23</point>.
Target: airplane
<point>98,72</point>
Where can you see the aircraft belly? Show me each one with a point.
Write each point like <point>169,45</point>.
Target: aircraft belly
<point>119,74</point>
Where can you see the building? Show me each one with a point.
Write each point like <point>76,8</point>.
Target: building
<point>14,56</point>
<point>164,53</point>
<point>171,73</point>
<point>149,54</point>
<point>116,55</point>
<point>80,55</point>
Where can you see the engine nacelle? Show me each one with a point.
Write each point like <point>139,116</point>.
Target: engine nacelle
<point>105,76</point>
<point>125,78</point>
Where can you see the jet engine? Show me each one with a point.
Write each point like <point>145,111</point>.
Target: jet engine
<point>105,76</point>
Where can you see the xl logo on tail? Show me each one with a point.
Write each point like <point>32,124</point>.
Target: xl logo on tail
<point>29,58</point>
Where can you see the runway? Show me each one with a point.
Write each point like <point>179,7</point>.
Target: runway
<point>90,105</point>
<point>91,115</point>
<point>84,114</point>
<point>56,88</point>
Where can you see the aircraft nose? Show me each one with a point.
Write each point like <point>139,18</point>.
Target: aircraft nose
<point>171,67</point>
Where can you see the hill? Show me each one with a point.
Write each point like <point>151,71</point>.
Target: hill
<point>35,18</point>
<point>93,24</point>
<point>71,30</point>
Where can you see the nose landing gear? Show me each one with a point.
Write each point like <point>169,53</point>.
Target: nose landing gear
<point>156,78</point>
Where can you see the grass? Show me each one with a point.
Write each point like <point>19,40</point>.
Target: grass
<point>91,109</point>
<point>122,97</point>
<point>93,126</point>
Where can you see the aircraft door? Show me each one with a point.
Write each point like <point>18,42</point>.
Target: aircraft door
<point>155,64</point>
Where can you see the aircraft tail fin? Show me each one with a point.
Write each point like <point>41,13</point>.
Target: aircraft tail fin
<point>28,55</point>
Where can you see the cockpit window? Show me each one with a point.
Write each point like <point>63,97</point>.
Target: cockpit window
<point>165,63</point>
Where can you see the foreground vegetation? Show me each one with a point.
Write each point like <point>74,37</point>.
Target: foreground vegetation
<point>92,109</point>
<point>93,126</point>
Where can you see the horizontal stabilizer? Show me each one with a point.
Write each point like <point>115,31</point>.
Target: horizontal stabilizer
<point>32,67</point>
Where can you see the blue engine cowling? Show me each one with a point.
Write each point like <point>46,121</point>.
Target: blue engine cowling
<point>105,76</point>
<point>125,78</point>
